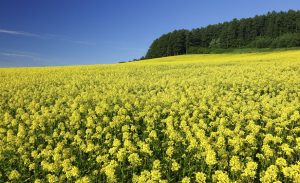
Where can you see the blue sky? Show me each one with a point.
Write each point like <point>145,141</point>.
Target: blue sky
<point>61,32</point>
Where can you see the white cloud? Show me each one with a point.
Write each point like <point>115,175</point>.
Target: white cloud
<point>46,36</point>
<point>21,33</point>
<point>18,54</point>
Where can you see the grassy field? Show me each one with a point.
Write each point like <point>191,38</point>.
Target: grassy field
<point>192,118</point>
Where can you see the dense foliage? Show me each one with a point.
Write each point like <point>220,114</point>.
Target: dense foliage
<point>197,118</point>
<point>273,30</point>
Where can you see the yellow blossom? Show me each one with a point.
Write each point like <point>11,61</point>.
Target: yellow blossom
<point>200,177</point>
<point>14,175</point>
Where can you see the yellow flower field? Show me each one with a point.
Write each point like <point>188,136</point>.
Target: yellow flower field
<point>193,118</point>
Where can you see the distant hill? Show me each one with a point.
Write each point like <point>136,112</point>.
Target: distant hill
<point>272,30</point>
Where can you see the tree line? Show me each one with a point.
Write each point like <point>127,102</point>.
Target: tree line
<point>272,30</point>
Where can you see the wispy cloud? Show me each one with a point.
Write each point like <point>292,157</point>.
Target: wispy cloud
<point>45,36</point>
<point>20,58</point>
<point>19,54</point>
<point>20,33</point>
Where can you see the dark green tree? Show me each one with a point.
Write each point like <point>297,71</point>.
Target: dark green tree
<point>275,29</point>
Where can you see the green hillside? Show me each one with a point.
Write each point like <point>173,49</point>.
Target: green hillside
<point>272,30</point>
